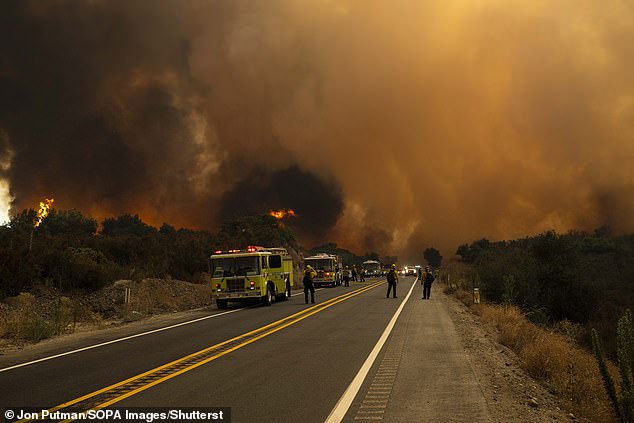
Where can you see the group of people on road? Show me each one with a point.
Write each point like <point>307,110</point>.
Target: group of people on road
<point>426,277</point>
<point>353,275</point>
<point>310,273</point>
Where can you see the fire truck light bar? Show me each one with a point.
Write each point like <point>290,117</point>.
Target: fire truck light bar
<point>250,249</point>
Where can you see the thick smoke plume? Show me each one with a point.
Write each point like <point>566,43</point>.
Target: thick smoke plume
<point>391,126</point>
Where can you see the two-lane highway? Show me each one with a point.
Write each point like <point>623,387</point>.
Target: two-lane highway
<point>288,362</point>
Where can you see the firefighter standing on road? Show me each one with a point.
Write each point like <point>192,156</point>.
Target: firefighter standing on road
<point>392,280</point>
<point>428,279</point>
<point>346,276</point>
<point>354,273</point>
<point>362,275</point>
<point>309,275</point>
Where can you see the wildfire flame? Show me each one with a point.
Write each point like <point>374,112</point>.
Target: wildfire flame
<point>45,207</point>
<point>282,213</point>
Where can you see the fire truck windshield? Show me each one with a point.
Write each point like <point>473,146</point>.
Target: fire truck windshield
<point>226,267</point>
<point>321,264</point>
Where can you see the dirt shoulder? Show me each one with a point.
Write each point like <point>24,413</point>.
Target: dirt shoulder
<point>13,352</point>
<point>511,394</point>
<point>46,316</point>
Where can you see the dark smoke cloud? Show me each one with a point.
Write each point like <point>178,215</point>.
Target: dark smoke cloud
<point>413,124</point>
<point>615,205</point>
<point>97,105</point>
<point>318,204</point>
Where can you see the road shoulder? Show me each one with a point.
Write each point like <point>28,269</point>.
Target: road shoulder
<point>441,364</point>
<point>511,393</point>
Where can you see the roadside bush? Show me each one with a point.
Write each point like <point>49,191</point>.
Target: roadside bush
<point>622,399</point>
<point>25,322</point>
<point>79,267</point>
<point>566,369</point>
<point>17,272</point>
<point>580,277</point>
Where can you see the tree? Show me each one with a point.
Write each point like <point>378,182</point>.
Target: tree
<point>470,253</point>
<point>126,224</point>
<point>328,247</point>
<point>68,222</point>
<point>167,229</point>
<point>622,402</point>
<point>389,260</point>
<point>263,230</point>
<point>23,222</point>
<point>370,256</point>
<point>433,257</point>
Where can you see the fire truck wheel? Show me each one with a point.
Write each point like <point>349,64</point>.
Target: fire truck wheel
<point>268,298</point>
<point>221,303</point>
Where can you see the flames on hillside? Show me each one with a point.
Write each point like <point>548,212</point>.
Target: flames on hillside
<point>45,208</point>
<point>282,213</point>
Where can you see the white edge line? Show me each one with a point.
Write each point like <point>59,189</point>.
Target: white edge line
<point>343,405</point>
<point>114,341</point>
<point>90,347</point>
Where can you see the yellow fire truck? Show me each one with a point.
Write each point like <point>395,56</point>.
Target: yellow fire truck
<point>255,274</point>
<point>328,268</point>
<point>372,268</point>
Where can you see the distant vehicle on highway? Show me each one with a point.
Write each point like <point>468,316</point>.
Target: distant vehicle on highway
<point>328,268</point>
<point>408,271</point>
<point>255,274</point>
<point>373,268</point>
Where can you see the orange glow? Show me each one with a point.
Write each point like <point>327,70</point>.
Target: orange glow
<point>45,207</point>
<point>280,214</point>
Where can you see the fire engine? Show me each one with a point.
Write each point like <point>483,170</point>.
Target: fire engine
<point>255,274</point>
<point>373,268</point>
<point>328,268</point>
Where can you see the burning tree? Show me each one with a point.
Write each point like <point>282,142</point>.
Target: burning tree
<point>45,208</point>
<point>282,213</point>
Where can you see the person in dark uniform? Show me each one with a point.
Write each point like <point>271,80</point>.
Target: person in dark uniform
<point>428,279</point>
<point>392,280</point>
<point>346,276</point>
<point>362,275</point>
<point>309,275</point>
<point>354,273</point>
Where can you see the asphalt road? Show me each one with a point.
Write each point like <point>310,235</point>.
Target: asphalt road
<point>296,369</point>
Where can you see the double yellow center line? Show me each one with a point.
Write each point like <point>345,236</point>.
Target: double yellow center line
<point>119,391</point>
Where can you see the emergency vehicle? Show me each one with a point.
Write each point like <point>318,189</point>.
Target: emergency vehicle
<point>328,268</point>
<point>373,268</point>
<point>255,274</point>
<point>408,271</point>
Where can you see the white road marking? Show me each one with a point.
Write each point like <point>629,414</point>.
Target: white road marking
<point>90,347</point>
<point>114,341</point>
<point>343,405</point>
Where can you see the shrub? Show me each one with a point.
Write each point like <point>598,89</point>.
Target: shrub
<point>623,400</point>
<point>25,322</point>
<point>566,369</point>
<point>79,267</point>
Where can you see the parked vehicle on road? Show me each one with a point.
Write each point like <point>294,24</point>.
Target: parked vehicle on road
<point>255,274</point>
<point>373,268</point>
<point>328,268</point>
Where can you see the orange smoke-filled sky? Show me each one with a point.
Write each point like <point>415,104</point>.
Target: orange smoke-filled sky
<point>392,126</point>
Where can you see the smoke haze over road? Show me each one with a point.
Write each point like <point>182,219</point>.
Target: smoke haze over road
<point>388,126</point>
